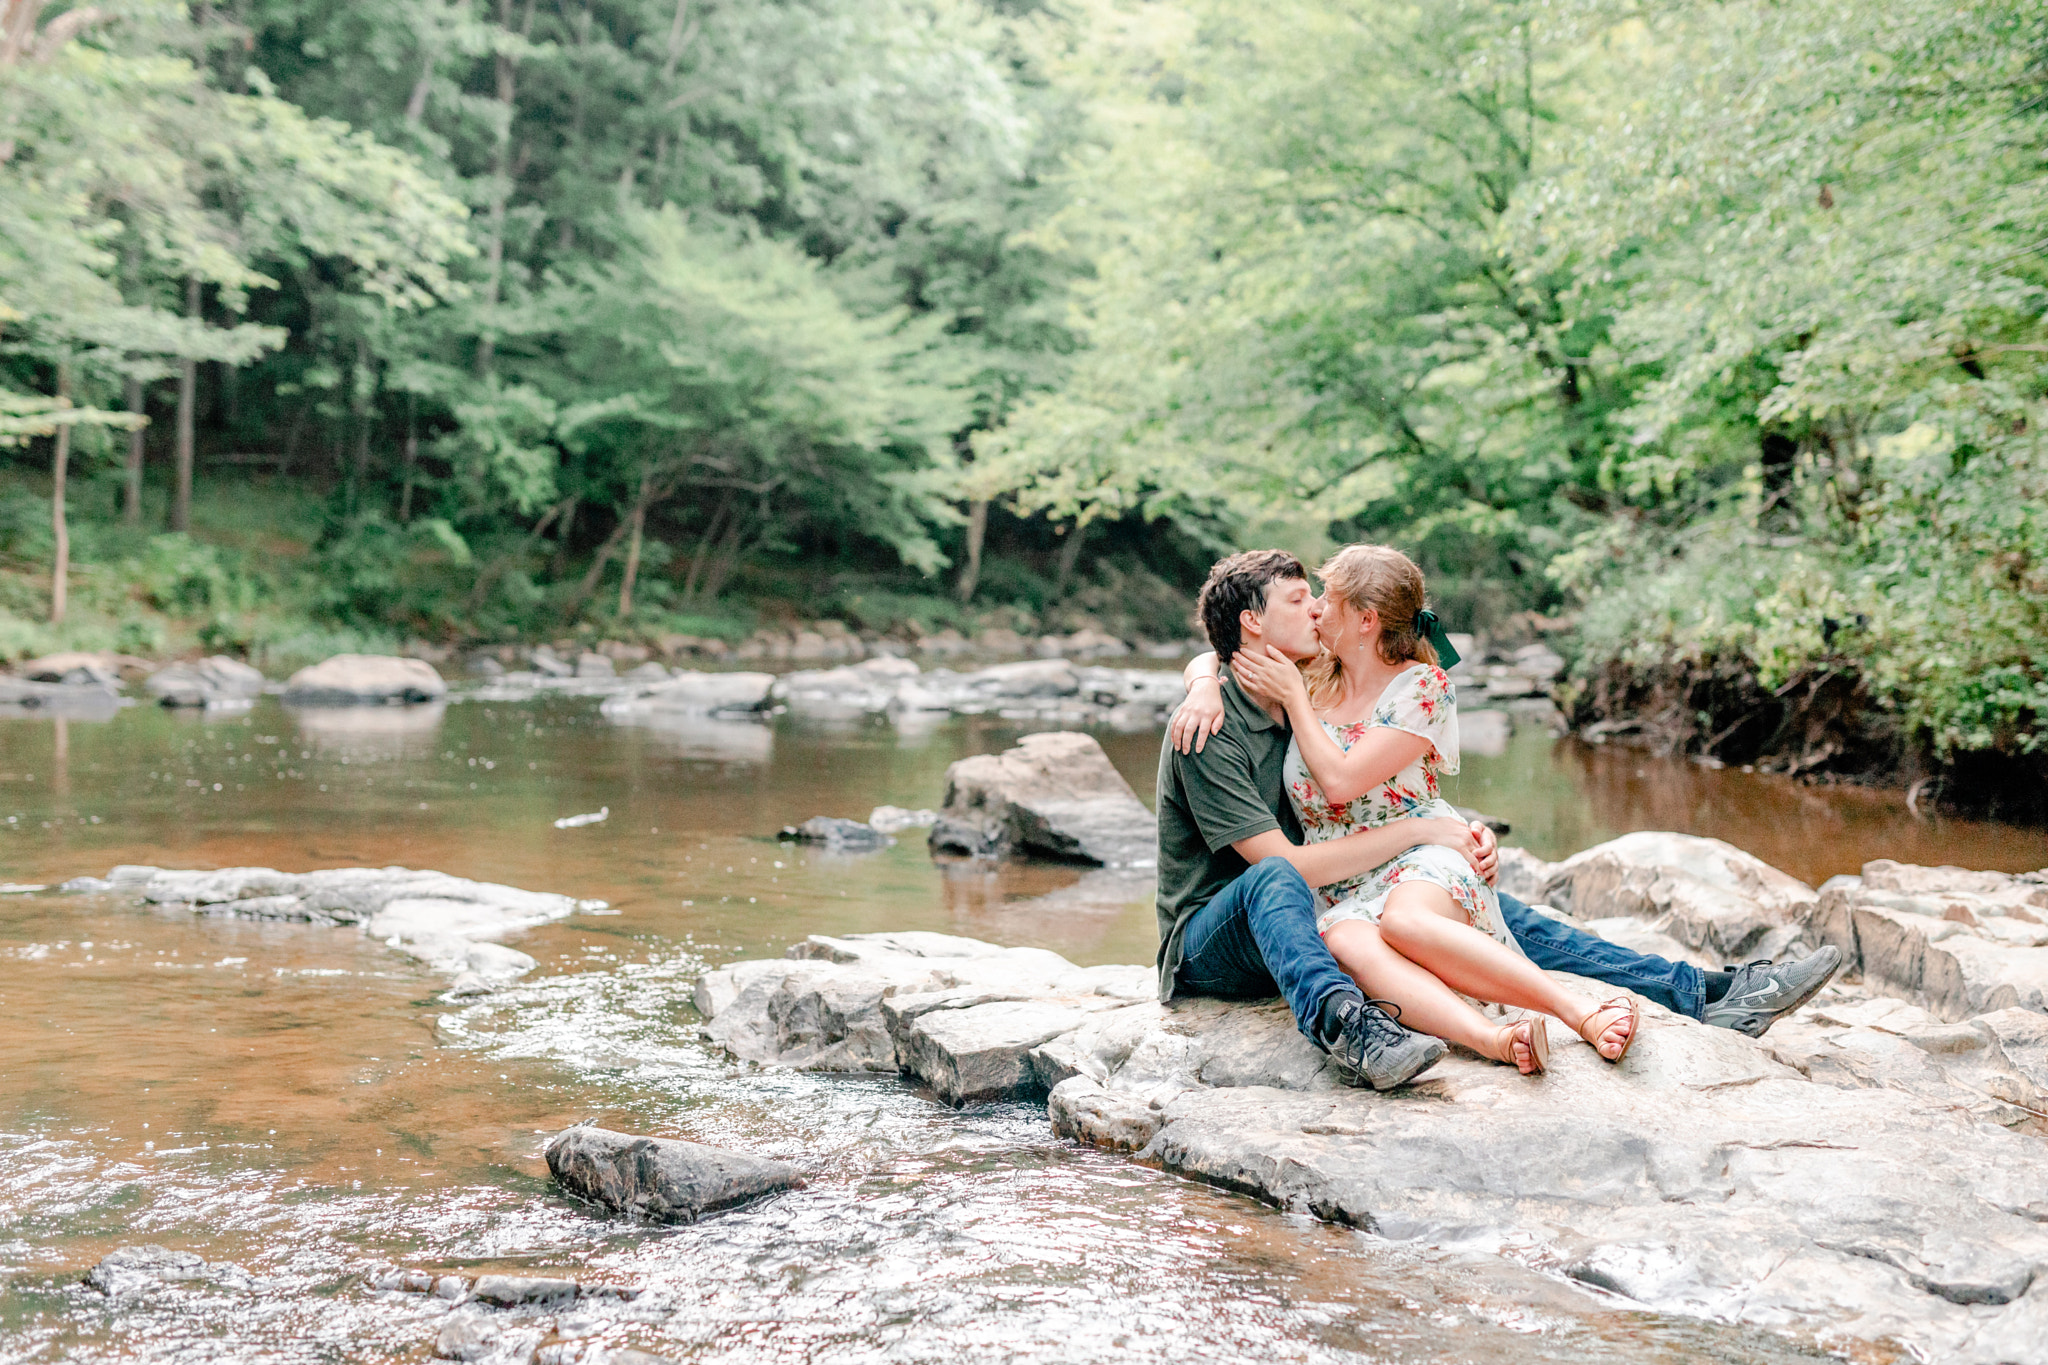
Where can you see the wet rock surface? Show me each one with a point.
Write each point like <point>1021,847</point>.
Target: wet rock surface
<point>135,1269</point>
<point>1054,795</point>
<point>662,1180</point>
<point>1870,1171</point>
<point>364,680</point>
<point>838,835</point>
<point>446,922</point>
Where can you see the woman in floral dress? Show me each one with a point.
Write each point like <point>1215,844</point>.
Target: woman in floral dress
<point>1375,722</point>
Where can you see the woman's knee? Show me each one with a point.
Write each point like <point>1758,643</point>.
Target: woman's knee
<point>1407,919</point>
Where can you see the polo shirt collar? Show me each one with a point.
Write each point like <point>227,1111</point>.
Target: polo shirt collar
<point>1250,712</point>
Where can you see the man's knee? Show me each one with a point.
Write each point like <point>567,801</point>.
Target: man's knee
<point>1276,876</point>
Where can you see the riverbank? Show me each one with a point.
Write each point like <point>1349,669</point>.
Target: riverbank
<point>1865,1178</point>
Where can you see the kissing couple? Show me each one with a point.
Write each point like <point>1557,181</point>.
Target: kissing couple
<point>1305,851</point>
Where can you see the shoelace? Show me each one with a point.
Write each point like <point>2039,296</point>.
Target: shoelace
<point>1375,1017</point>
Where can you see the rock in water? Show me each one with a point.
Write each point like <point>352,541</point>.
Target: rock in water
<point>128,1269</point>
<point>694,694</point>
<point>840,836</point>
<point>364,680</point>
<point>210,682</point>
<point>1053,796</point>
<point>663,1180</point>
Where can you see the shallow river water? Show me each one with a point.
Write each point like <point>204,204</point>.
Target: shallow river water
<point>298,1101</point>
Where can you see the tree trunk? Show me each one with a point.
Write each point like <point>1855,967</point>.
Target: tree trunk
<point>131,491</point>
<point>1070,554</point>
<point>638,518</point>
<point>412,456</point>
<point>699,560</point>
<point>595,572</point>
<point>977,529</point>
<point>61,572</point>
<point>501,189</point>
<point>188,393</point>
<point>359,469</point>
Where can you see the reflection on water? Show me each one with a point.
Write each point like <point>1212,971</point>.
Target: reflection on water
<point>381,730</point>
<point>298,1100</point>
<point>707,739</point>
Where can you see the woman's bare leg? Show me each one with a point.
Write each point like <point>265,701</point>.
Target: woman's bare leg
<point>1423,924</point>
<point>1427,1004</point>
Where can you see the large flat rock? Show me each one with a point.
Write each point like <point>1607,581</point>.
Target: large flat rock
<point>1867,1174</point>
<point>447,922</point>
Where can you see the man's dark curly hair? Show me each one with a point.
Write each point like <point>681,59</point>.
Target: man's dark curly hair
<point>1238,584</point>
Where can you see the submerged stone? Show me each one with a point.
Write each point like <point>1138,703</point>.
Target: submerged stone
<point>838,835</point>
<point>661,1179</point>
<point>125,1270</point>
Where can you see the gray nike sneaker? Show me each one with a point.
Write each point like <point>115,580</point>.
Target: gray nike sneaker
<point>1764,992</point>
<point>1372,1049</point>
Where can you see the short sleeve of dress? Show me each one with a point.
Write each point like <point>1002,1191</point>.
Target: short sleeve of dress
<point>1423,702</point>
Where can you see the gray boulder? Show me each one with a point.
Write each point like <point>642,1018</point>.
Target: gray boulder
<point>1959,943</point>
<point>80,668</point>
<point>364,680</point>
<point>856,689</point>
<point>209,682</point>
<point>693,693</point>
<point>1053,796</point>
<point>661,1179</point>
<point>82,700</point>
<point>1709,895</point>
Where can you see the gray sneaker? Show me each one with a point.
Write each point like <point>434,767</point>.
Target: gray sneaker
<point>1764,992</point>
<point>1372,1049</point>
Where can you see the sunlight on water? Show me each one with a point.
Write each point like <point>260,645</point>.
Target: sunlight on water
<point>299,1102</point>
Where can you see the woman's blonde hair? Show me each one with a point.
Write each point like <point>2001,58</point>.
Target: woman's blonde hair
<point>1375,578</point>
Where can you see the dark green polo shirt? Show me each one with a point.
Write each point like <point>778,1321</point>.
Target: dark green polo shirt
<point>1232,790</point>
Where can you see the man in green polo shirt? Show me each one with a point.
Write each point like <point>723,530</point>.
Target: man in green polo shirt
<point>1237,917</point>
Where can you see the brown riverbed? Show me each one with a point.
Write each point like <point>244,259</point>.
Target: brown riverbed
<point>297,1100</point>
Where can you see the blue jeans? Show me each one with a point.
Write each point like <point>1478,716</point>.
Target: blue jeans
<point>1258,938</point>
<point>1557,947</point>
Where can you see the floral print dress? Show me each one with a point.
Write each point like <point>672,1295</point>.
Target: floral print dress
<point>1422,702</point>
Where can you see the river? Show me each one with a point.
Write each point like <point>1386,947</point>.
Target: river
<point>297,1100</point>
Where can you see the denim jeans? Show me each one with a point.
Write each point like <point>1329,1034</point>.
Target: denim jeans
<point>1258,938</point>
<point>1557,947</point>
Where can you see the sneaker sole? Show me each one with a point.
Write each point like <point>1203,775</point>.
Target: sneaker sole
<point>1430,1057</point>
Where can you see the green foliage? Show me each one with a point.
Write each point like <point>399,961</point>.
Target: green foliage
<point>1718,324</point>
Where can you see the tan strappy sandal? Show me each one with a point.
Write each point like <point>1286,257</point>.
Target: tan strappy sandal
<point>1633,1007</point>
<point>1532,1031</point>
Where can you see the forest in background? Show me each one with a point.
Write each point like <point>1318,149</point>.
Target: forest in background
<point>1705,338</point>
